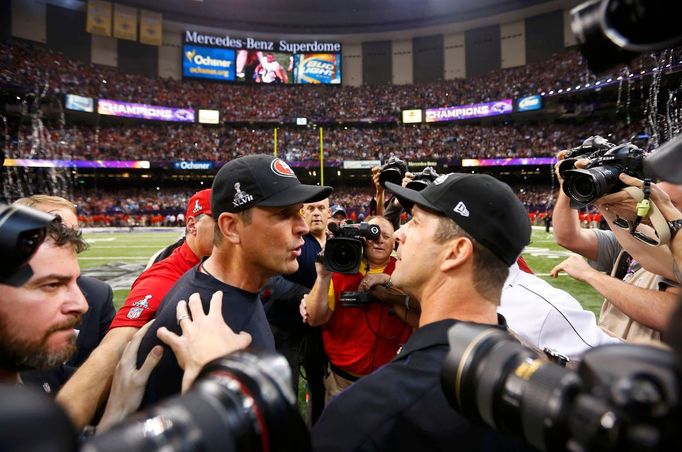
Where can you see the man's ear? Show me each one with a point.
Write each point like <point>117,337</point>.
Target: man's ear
<point>229,224</point>
<point>191,226</point>
<point>458,251</point>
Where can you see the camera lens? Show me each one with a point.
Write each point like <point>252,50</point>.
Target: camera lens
<point>242,402</point>
<point>491,378</point>
<point>586,185</point>
<point>393,175</point>
<point>344,254</point>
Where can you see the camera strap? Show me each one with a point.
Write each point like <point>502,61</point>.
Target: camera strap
<point>646,208</point>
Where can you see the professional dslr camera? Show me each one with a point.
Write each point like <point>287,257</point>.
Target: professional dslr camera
<point>241,402</point>
<point>343,252</point>
<point>392,171</point>
<point>621,397</point>
<point>600,176</point>
<point>423,179</point>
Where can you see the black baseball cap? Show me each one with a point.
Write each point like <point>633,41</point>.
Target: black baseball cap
<point>487,209</point>
<point>260,180</point>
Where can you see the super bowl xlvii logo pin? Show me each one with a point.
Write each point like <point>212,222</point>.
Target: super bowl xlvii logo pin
<point>138,307</point>
<point>241,197</point>
<point>281,168</point>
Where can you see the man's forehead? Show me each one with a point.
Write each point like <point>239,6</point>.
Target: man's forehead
<point>48,253</point>
<point>323,203</point>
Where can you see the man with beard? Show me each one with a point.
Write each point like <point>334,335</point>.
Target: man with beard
<point>37,320</point>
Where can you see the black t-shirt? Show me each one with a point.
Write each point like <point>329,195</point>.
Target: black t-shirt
<point>242,311</point>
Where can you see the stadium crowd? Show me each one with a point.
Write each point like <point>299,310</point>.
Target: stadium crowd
<point>37,68</point>
<point>412,143</point>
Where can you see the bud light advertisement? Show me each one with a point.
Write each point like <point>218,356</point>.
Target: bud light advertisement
<point>318,68</point>
<point>208,63</point>
<point>529,103</point>
<point>483,110</point>
<point>143,111</point>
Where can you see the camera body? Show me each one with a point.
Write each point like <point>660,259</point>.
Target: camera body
<point>343,252</point>
<point>422,179</point>
<point>600,176</point>
<point>620,397</point>
<point>355,299</point>
<point>392,171</point>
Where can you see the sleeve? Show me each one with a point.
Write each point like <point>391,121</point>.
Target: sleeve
<point>143,301</point>
<point>108,313</point>
<point>608,251</point>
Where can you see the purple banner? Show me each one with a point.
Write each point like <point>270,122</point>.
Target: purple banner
<point>510,161</point>
<point>35,163</point>
<point>500,107</point>
<point>129,110</point>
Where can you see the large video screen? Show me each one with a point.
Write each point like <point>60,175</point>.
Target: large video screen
<point>252,61</point>
<point>482,110</point>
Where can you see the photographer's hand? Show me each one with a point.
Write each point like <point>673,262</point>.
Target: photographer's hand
<point>127,387</point>
<point>560,157</point>
<point>204,337</point>
<point>574,266</point>
<point>379,190</point>
<point>371,280</point>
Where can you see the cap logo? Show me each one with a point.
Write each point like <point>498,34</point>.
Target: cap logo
<point>197,206</point>
<point>461,209</point>
<point>241,197</point>
<point>281,168</point>
<point>440,179</point>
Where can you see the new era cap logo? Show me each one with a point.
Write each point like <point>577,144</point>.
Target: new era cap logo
<point>281,168</point>
<point>461,209</point>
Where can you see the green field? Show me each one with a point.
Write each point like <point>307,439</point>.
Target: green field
<point>119,257</point>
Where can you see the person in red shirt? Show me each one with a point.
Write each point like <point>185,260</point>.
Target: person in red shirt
<point>89,386</point>
<point>357,339</point>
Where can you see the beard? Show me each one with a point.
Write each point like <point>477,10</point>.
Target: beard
<point>20,354</point>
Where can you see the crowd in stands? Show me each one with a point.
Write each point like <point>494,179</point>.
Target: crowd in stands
<point>412,143</point>
<point>166,206</point>
<point>37,67</point>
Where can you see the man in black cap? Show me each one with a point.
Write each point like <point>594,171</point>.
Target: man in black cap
<point>255,203</point>
<point>454,255</point>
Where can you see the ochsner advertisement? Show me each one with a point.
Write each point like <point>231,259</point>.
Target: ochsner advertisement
<point>501,107</point>
<point>143,111</point>
<point>208,62</point>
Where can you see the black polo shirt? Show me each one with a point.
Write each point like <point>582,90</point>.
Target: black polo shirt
<point>401,406</point>
<point>242,311</point>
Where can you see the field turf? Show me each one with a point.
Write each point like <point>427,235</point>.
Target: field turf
<point>127,252</point>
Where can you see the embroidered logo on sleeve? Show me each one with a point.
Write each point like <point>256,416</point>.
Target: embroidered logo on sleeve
<point>139,307</point>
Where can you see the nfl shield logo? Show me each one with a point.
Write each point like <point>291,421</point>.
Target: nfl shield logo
<point>134,313</point>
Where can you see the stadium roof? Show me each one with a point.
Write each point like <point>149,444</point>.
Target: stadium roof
<point>328,16</point>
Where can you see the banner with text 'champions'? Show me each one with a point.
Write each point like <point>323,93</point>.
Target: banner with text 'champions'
<point>483,110</point>
<point>143,111</point>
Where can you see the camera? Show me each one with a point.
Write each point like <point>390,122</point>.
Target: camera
<point>22,230</point>
<point>343,252</point>
<point>423,179</point>
<point>620,397</point>
<point>392,171</point>
<point>355,299</point>
<point>591,147</point>
<point>600,176</point>
<point>612,32</point>
<point>241,402</point>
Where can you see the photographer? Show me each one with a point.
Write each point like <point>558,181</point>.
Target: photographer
<point>637,303</point>
<point>466,230</point>
<point>358,339</point>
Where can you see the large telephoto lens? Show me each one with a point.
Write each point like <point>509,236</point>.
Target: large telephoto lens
<point>242,402</point>
<point>492,379</point>
<point>586,185</point>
